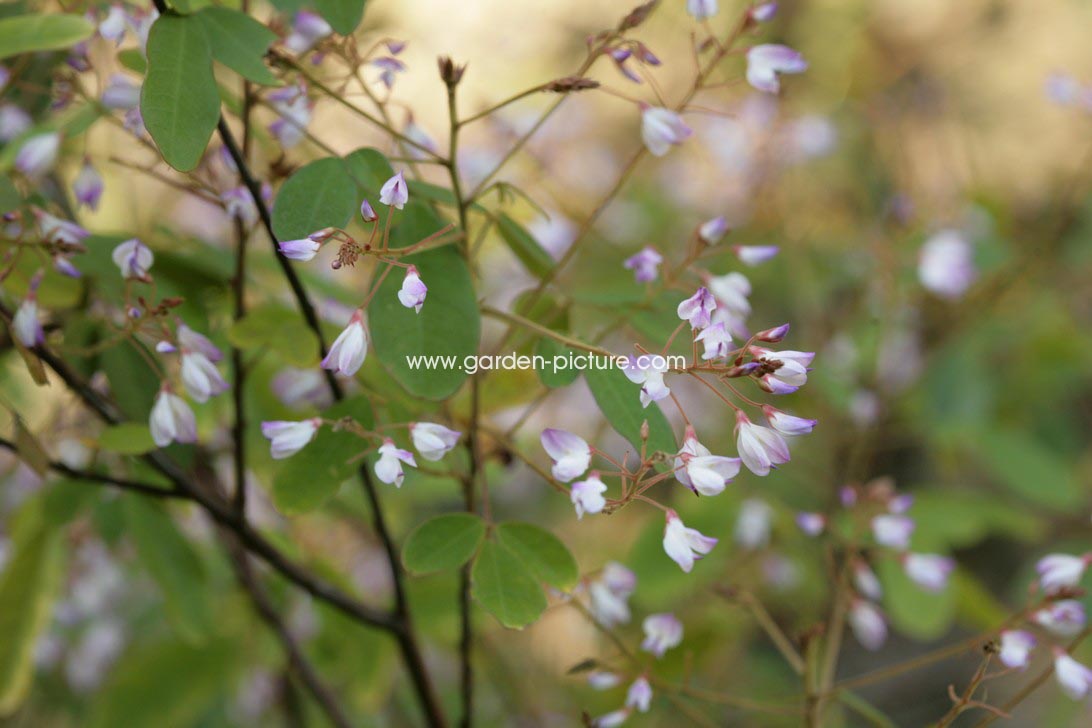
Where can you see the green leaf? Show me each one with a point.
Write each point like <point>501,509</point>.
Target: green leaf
<point>548,349</point>
<point>320,194</point>
<point>306,480</point>
<point>1026,467</point>
<point>28,587</point>
<point>448,324</point>
<point>134,60</point>
<point>343,15</point>
<point>239,42</point>
<point>173,564</point>
<point>166,684</point>
<point>130,438</point>
<point>180,101</point>
<point>26,33</point>
<point>504,588</point>
<point>533,256</point>
<point>9,195</point>
<point>619,400</point>
<point>443,542</point>
<point>542,552</point>
<point>278,329</point>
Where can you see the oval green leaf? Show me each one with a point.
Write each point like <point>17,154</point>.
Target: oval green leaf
<point>618,400</point>
<point>179,101</point>
<point>503,586</point>
<point>320,194</point>
<point>29,33</point>
<point>533,256</point>
<point>130,438</point>
<point>443,542</point>
<point>343,15</point>
<point>542,552</point>
<point>239,42</point>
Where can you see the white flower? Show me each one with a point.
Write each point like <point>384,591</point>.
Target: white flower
<point>38,154</point>
<point>25,325</point>
<point>288,438</point>
<point>698,309</point>
<point>413,291</point>
<point>866,581</point>
<point>121,93</point>
<point>685,545</point>
<point>929,571</point>
<point>765,62</point>
<point>1058,571</point>
<point>303,249</point>
<point>603,680</point>
<point>113,26</point>
<point>701,9</point>
<point>171,420</point>
<point>639,695</point>
<point>811,524</point>
<point>88,186</point>
<point>587,495</point>
<point>1065,618</point>
<point>1074,679</point>
<point>1015,649</point>
<point>755,254</point>
<point>307,29</point>
<point>790,369</point>
<point>347,353</point>
<point>753,524</point>
<point>648,370</point>
<point>394,192</point>
<point>433,441</point>
<point>389,466</point>
<point>893,531</point>
<point>662,632</point>
<point>760,448</point>
<point>201,377</point>
<point>661,128</point>
<point>609,594</point>
<point>571,455</point>
<point>133,258</point>
<point>946,265</point>
<point>717,341</point>
<point>731,291</point>
<point>612,719</point>
<point>788,424</point>
<point>868,624</point>
<point>711,231</point>
<point>193,341</point>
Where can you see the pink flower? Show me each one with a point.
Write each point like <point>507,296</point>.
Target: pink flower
<point>38,154</point>
<point>929,571</point>
<point>765,62</point>
<point>760,448</point>
<point>609,594</point>
<point>662,632</point>
<point>171,420</point>
<point>367,214</point>
<point>288,438</point>
<point>190,339</point>
<point>394,192</point>
<point>433,441</point>
<point>790,369</point>
<point>1074,679</point>
<point>788,424</point>
<point>639,695</point>
<point>717,341</point>
<point>644,264</point>
<point>413,292</point>
<point>755,254</point>
<point>1059,571</point>
<point>1065,618</point>
<point>304,249</point>
<point>133,258</point>
<point>893,531</point>
<point>1016,647</point>
<point>571,455</point>
<point>812,524</point>
<point>88,186</point>
<point>648,370</point>
<point>347,353</point>
<point>866,581</point>
<point>661,128</point>
<point>587,495</point>
<point>685,545</point>
<point>946,265</point>
<point>698,309</point>
<point>764,12</point>
<point>56,230</point>
<point>711,231</point>
<point>868,624</point>
<point>389,466</point>
<point>201,377</point>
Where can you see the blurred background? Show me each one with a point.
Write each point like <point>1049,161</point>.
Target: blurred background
<point>914,117</point>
